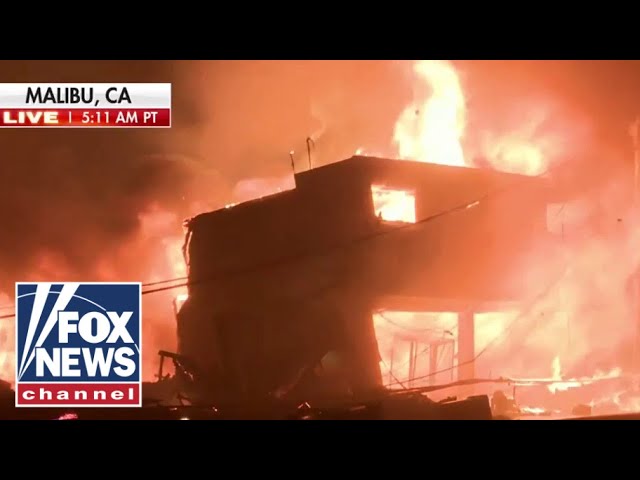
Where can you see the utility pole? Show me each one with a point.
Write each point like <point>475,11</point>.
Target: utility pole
<point>466,345</point>
<point>634,131</point>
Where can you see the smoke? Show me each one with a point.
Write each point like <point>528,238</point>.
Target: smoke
<point>259,111</point>
<point>69,199</point>
<point>83,204</point>
<point>582,311</point>
<point>237,120</point>
<point>576,302</point>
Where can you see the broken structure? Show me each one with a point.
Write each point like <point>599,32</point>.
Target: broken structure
<point>280,283</point>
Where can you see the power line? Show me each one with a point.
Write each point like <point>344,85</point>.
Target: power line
<point>294,258</point>
<point>394,377</point>
<point>310,295</point>
<point>346,245</point>
<point>161,282</point>
<point>446,331</point>
<point>501,335</point>
<point>498,337</point>
<point>149,284</point>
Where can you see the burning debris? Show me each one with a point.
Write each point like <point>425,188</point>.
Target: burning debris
<point>68,416</point>
<point>503,406</point>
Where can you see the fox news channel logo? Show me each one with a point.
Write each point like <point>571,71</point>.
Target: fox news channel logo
<point>78,345</point>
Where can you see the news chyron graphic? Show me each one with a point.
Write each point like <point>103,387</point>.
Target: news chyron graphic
<point>78,345</point>
<point>85,105</point>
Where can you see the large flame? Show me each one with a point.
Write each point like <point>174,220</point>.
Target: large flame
<point>433,128</point>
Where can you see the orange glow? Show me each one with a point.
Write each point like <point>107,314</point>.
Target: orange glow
<point>159,325</point>
<point>153,254</point>
<point>405,340</point>
<point>393,205</point>
<point>561,384</point>
<point>180,299</point>
<point>557,383</point>
<point>568,334</point>
<point>432,128</point>
<point>563,322</point>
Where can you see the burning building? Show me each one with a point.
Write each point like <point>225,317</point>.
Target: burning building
<point>284,287</point>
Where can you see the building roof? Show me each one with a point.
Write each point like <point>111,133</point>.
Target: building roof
<point>365,171</point>
<point>328,223</point>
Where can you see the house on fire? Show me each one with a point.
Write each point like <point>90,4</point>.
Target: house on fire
<point>278,283</point>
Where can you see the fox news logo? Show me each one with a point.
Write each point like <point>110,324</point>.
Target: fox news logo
<point>78,344</point>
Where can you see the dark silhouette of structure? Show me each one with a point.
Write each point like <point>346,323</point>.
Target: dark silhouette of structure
<point>281,284</point>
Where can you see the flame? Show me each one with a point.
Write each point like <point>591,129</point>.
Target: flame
<point>619,402</point>
<point>557,383</point>
<point>159,228</point>
<point>394,205</point>
<point>431,129</point>
<point>68,416</point>
<point>162,228</point>
<point>434,128</point>
<point>180,299</point>
<point>532,410</point>
<point>561,384</point>
<point>556,368</point>
<point>516,155</point>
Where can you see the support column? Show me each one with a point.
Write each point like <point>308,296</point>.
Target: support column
<point>466,346</point>
<point>433,362</point>
<point>634,131</point>
<point>362,346</point>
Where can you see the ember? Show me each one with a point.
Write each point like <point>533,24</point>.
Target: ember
<point>68,416</point>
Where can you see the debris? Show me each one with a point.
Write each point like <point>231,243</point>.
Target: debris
<point>7,395</point>
<point>503,406</point>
